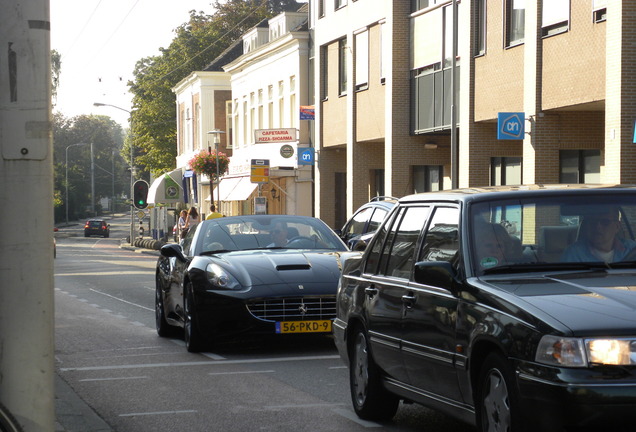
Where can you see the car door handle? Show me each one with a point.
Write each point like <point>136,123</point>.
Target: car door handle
<point>408,300</point>
<point>371,291</point>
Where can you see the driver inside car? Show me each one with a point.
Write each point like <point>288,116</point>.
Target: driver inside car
<point>279,235</point>
<point>599,240</point>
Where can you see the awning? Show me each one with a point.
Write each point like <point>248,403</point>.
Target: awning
<point>235,189</point>
<point>166,188</point>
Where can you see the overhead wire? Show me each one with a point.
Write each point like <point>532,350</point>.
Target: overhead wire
<point>83,28</point>
<point>114,31</point>
<point>208,47</point>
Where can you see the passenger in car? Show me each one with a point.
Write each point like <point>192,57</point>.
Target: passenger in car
<point>492,244</point>
<point>599,240</point>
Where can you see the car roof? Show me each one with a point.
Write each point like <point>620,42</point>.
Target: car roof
<point>502,192</point>
<point>380,201</point>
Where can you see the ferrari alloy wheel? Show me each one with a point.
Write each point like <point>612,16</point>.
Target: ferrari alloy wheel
<point>370,400</point>
<point>163,328</point>
<point>191,334</point>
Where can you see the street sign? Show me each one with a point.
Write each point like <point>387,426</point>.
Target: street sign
<point>306,157</point>
<point>260,171</point>
<point>510,125</point>
<point>275,135</point>
<point>286,151</point>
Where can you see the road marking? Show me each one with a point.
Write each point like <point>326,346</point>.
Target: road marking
<point>122,300</point>
<point>200,363</point>
<point>314,405</point>
<point>157,413</point>
<point>113,379</point>
<point>241,373</point>
<point>113,273</point>
<point>354,418</point>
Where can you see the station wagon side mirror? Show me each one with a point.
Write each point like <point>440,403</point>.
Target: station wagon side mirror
<point>436,273</point>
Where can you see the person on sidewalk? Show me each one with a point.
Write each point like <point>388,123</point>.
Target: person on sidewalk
<point>192,220</point>
<point>181,224</point>
<point>213,213</point>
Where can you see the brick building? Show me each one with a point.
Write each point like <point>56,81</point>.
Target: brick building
<point>384,95</point>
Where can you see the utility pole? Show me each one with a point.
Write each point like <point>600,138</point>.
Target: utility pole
<point>26,177</point>
<point>92,182</point>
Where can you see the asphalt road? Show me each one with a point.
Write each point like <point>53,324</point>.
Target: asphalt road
<point>109,355</point>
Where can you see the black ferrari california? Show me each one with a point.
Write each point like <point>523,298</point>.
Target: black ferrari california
<point>266,274</point>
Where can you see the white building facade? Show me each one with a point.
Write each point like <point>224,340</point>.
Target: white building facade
<point>269,86</point>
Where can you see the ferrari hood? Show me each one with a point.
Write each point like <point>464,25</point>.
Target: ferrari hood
<point>307,271</point>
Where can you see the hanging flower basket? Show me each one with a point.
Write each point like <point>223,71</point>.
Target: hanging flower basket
<point>205,163</point>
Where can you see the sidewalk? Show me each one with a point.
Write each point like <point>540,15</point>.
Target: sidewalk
<point>72,414</point>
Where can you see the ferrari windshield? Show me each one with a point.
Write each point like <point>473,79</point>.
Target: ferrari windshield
<point>266,232</point>
<point>581,228</point>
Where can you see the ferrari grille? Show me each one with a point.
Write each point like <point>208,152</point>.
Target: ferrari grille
<point>294,308</point>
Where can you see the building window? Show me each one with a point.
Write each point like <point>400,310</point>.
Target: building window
<point>505,171</point>
<point>480,27</point>
<point>555,17</point>
<point>324,73</point>
<point>378,182</point>
<point>362,60</point>
<point>432,71</point>
<point>246,136</point>
<point>428,178</point>
<point>580,166</point>
<point>321,8</point>
<point>385,49</point>
<point>281,104</point>
<point>342,66</point>
<point>599,10</point>
<point>270,107</point>
<point>229,124</point>
<point>417,5</point>
<point>340,3</point>
<point>294,112</point>
<point>261,120</point>
<point>515,22</point>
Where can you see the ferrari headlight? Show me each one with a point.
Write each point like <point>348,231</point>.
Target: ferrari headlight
<point>220,278</point>
<point>561,351</point>
<point>575,352</point>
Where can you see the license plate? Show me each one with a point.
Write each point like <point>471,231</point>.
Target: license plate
<point>322,326</point>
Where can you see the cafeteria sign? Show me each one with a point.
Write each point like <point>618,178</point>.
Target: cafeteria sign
<point>275,135</point>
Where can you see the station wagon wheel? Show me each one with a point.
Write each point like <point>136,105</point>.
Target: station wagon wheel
<point>191,333</point>
<point>163,328</point>
<point>370,400</point>
<point>498,409</point>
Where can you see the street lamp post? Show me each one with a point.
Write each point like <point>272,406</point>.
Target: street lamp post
<point>66,165</point>
<point>217,138</point>
<point>132,174</point>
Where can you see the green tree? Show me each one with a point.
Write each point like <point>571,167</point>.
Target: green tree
<point>111,171</point>
<point>56,69</point>
<point>196,43</point>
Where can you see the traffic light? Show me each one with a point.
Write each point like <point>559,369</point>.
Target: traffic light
<point>140,194</point>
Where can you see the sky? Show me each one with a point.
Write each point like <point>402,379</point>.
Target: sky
<point>100,42</point>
